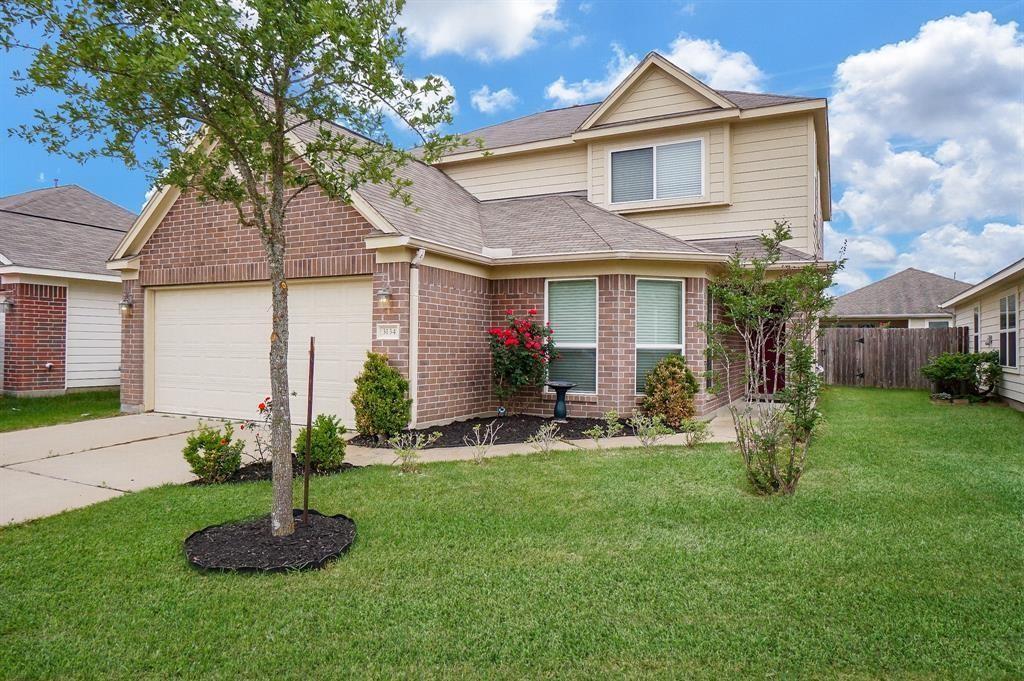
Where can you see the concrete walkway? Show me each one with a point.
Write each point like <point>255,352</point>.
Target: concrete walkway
<point>44,471</point>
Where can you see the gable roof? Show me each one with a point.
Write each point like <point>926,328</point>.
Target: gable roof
<point>67,229</point>
<point>908,293</point>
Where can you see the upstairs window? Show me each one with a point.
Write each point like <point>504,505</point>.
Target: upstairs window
<point>1008,331</point>
<point>572,312</point>
<point>664,171</point>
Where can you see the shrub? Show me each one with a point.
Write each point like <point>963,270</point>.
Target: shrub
<point>964,374</point>
<point>669,391</point>
<point>649,429</point>
<point>407,448</point>
<point>545,437</point>
<point>695,432</point>
<point>521,349</point>
<point>482,440</point>
<point>612,427</point>
<point>381,400</point>
<point>212,454</point>
<point>327,446</point>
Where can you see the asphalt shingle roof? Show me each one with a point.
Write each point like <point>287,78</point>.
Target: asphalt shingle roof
<point>904,293</point>
<point>61,228</point>
<point>749,247</point>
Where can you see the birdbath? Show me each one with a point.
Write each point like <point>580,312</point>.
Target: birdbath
<point>560,388</point>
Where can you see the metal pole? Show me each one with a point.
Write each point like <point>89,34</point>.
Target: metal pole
<point>309,433</point>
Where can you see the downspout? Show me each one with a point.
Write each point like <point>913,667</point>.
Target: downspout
<point>414,332</point>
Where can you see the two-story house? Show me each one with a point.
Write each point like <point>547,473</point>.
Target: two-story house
<point>609,219</point>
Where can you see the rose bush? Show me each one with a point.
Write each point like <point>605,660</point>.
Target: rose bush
<point>521,350</point>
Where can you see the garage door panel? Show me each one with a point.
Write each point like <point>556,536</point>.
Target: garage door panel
<point>212,347</point>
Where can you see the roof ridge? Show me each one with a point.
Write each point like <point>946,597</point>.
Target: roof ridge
<point>586,222</point>
<point>647,228</point>
<point>527,115</point>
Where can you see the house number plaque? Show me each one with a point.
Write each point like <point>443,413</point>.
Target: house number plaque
<point>388,332</point>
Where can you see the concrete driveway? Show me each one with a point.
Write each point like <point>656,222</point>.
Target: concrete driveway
<point>47,470</point>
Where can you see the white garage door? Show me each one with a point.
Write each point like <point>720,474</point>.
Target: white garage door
<point>212,347</point>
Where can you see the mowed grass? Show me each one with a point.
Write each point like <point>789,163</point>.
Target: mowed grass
<point>31,412</point>
<point>901,555</point>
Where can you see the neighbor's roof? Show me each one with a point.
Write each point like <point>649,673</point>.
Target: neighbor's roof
<point>907,293</point>
<point>556,123</point>
<point>61,228</point>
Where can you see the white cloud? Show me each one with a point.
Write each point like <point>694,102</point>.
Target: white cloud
<point>928,131</point>
<point>489,102</point>
<point>427,99</point>
<point>689,9</point>
<point>585,7</point>
<point>586,90</point>
<point>708,61</point>
<point>862,249</point>
<point>972,255</point>
<point>705,59</point>
<point>42,176</point>
<point>849,279</point>
<point>500,29</point>
<point>577,41</point>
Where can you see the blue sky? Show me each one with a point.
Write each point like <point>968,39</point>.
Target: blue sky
<point>927,103</point>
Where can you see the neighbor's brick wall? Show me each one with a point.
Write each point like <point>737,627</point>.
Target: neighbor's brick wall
<point>454,355</point>
<point>35,335</point>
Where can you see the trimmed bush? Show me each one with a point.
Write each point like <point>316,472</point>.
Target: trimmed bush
<point>213,455</point>
<point>669,388</point>
<point>327,446</point>
<point>381,400</point>
<point>964,374</point>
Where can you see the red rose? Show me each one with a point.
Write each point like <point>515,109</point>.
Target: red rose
<point>510,311</point>
<point>532,311</point>
<point>263,406</point>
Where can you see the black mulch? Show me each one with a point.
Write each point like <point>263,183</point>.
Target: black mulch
<point>248,546</point>
<point>261,470</point>
<point>514,428</point>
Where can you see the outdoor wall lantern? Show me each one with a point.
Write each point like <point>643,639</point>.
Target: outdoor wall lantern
<point>384,296</point>
<point>125,306</point>
<point>6,305</point>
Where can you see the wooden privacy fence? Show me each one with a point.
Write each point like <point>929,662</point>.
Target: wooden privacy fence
<point>885,358</point>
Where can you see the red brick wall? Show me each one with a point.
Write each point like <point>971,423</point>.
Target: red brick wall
<point>132,348</point>
<point>454,356</point>
<point>396,276</point>
<point>35,335</point>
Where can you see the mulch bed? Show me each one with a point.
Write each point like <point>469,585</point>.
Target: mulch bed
<point>248,546</point>
<point>261,470</point>
<point>514,429</point>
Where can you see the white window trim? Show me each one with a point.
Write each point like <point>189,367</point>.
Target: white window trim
<point>1015,329</point>
<point>976,328</point>
<point>637,346</point>
<point>579,346</point>
<point>654,176</point>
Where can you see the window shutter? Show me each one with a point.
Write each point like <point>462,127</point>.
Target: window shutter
<point>659,308</point>
<point>572,311</point>
<point>633,175</point>
<point>679,170</point>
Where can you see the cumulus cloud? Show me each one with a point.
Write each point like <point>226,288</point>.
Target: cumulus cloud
<point>705,59</point>
<point>486,31</point>
<point>718,67</point>
<point>488,102</point>
<point>929,130</point>
<point>971,254</point>
<point>565,94</point>
<point>426,100</point>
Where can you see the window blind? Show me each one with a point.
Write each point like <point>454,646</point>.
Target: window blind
<point>633,175</point>
<point>572,309</point>
<point>578,365</point>
<point>679,170</point>
<point>659,310</point>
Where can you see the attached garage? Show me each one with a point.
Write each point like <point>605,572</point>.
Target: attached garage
<point>211,346</point>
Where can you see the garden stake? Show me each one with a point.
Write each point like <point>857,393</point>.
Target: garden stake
<point>309,430</point>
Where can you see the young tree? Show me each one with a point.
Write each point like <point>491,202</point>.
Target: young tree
<point>771,320</point>
<point>218,88</point>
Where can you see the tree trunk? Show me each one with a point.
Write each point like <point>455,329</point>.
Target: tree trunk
<point>281,521</point>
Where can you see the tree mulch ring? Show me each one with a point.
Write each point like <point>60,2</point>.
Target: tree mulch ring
<point>248,545</point>
<point>515,428</point>
<point>261,470</point>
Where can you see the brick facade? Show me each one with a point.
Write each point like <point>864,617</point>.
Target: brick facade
<point>34,338</point>
<point>202,243</point>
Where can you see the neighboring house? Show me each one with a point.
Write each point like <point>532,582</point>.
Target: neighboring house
<point>610,219</point>
<point>907,299</point>
<point>59,324</point>
<point>991,311</point>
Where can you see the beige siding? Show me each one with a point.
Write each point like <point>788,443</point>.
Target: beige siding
<point>656,94</point>
<point>502,177</point>
<point>93,335</point>
<point>764,173</point>
<point>1012,385</point>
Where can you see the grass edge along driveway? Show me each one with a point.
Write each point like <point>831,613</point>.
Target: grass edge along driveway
<point>899,556</point>
<point>17,413</point>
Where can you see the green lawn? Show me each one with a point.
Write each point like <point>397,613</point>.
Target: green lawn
<point>902,555</point>
<point>30,412</point>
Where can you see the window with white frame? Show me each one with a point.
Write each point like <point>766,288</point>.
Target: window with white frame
<point>662,171</point>
<point>938,325</point>
<point>659,324</point>
<point>572,312</point>
<point>1008,330</point>
<point>976,328</point>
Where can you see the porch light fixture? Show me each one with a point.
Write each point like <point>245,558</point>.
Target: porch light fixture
<point>6,305</point>
<point>384,296</point>
<point>125,306</point>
